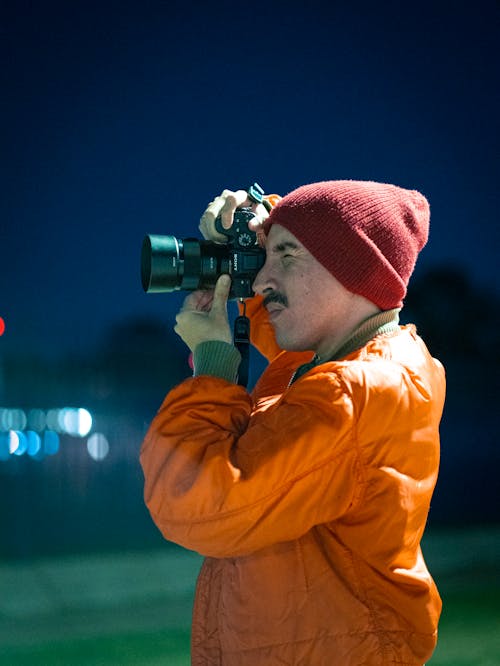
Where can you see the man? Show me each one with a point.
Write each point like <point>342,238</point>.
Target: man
<point>308,497</point>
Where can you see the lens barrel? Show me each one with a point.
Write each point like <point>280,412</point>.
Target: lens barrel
<point>170,264</point>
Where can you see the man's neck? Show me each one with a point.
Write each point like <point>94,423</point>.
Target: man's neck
<point>376,324</point>
<point>386,321</point>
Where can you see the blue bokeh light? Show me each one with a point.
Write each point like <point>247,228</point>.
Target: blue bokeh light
<point>50,442</point>
<point>34,443</point>
<point>18,443</point>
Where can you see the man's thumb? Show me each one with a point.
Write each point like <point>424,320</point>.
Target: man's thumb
<point>221,293</point>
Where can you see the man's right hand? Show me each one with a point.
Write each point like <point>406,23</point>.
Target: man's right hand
<point>203,316</point>
<point>225,206</point>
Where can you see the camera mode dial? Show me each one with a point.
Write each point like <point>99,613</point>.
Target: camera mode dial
<point>245,239</point>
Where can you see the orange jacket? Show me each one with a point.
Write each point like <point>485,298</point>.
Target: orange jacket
<point>309,503</point>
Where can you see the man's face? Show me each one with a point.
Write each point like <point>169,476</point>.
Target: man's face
<point>308,307</point>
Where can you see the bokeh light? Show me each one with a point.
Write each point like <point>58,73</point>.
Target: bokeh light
<point>34,443</point>
<point>36,419</point>
<point>76,422</point>
<point>4,446</point>
<point>37,431</point>
<point>50,442</point>
<point>12,419</point>
<point>97,446</point>
<point>70,421</point>
<point>18,443</point>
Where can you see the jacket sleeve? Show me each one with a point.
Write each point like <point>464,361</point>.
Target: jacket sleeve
<point>224,484</point>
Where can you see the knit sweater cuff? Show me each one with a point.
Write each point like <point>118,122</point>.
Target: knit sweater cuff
<point>218,359</point>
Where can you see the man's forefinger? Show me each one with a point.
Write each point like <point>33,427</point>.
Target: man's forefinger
<point>232,201</point>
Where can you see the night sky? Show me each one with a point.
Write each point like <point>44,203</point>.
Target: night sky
<point>128,118</point>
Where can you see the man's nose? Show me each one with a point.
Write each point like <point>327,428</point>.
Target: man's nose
<point>262,280</point>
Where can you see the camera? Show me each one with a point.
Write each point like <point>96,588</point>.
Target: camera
<point>169,264</point>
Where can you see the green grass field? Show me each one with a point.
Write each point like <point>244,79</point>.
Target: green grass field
<point>134,608</point>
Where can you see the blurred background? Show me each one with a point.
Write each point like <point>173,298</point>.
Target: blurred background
<point>125,119</point>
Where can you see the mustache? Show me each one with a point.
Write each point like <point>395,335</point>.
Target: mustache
<point>275,297</point>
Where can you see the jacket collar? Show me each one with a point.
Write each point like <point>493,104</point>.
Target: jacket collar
<point>378,324</point>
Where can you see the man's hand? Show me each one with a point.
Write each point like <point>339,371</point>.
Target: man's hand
<point>225,205</point>
<point>203,316</point>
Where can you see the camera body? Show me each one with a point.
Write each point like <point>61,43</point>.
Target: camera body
<point>170,264</point>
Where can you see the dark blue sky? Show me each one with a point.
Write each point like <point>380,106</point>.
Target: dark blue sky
<point>127,118</point>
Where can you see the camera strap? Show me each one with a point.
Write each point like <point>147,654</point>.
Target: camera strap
<point>242,344</point>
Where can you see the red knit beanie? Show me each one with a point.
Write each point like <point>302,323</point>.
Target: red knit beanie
<point>367,235</point>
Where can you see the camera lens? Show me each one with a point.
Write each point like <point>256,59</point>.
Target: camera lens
<point>169,263</point>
